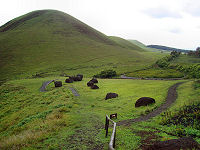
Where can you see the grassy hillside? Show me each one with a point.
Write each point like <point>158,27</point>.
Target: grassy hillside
<point>126,44</point>
<point>50,42</point>
<point>186,60</point>
<point>166,48</point>
<point>143,46</point>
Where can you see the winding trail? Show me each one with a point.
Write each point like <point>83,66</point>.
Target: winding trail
<point>171,97</point>
<point>74,91</point>
<point>43,87</point>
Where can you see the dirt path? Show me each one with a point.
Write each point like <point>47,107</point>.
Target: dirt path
<point>43,87</point>
<point>171,97</point>
<point>74,91</point>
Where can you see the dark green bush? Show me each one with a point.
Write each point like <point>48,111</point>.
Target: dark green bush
<point>106,74</point>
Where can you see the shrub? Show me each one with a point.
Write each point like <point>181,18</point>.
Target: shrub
<point>106,74</point>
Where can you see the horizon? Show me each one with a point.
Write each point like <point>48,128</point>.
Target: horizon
<point>174,23</point>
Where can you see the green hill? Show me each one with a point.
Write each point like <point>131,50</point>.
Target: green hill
<point>143,46</point>
<point>126,44</point>
<point>166,48</point>
<point>50,42</point>
<point>138,43</point>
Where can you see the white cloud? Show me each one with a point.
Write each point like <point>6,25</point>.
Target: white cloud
<point>175,30</point>
<point>193,7</point>
<point>162,12</point>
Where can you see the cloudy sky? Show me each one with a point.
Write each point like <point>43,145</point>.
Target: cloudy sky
<point>174,23</point>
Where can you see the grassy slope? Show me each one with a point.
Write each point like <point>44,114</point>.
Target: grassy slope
<point>57,119</point>
<point>135,42</point>
<point>186,60</point>
<point>125,43</point>
<point>53,42</point>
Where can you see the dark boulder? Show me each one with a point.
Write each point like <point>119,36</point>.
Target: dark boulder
<point>69,81</point>
<point>184,143</point>
<point>75,78</point>
<point>58,83</point>
<point>144,101</point>
<point>78,78</point>
<point>111,95</point>
<point>90,83</point>
<point>94,80</point>
<point>80,75</point>
<point>94,87</point>
<point>71,78</point>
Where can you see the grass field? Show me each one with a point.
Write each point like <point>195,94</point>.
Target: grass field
<point>56,119</point>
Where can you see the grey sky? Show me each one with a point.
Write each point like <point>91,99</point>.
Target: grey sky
<point>174,23</point>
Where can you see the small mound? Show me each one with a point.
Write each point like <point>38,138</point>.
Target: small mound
<point>144,101</point>
<point>184,143</point>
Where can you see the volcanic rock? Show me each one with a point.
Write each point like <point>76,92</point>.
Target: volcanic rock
<point>111,95</point>
<point>144,101</point>
<point>58,83</point>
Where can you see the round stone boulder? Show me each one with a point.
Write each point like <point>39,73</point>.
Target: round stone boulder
<point>71,78</point>
<point>111,95</point>
<point>94,80</point>
<point>78,78</point>
<point>144,101</point>
<point>69,81</point>
<point>94,87</point>
<point>80,75</point>
<point>90,83</point>
<point>58,83</point>
<point>175,144</point>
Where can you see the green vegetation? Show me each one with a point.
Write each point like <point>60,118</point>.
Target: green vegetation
<point>49,42</point>
<point>126,44</point>
<point>167,48</point>
<point>141,45</point>
<point>106,74</point>
<point>161,69</point>
<point>32,119</point>
<point>156,73</point>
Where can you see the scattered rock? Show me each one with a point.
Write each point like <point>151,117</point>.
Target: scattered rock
<point>144,101</point>
<point>75,78</point>
<point>94,87</point>
<point>80,75</point>
<point>175,144</point>
<point>90,83</point>
<point>78,78</point>
<point>94,80</point>
<point>111,95</point>
<point>58,83</point>
<point>69,81</point>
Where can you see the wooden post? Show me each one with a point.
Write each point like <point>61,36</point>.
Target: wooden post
<point>114,139</point>
<point>107,126</point>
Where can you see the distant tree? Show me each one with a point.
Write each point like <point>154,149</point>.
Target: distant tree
<point>106,74</point>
